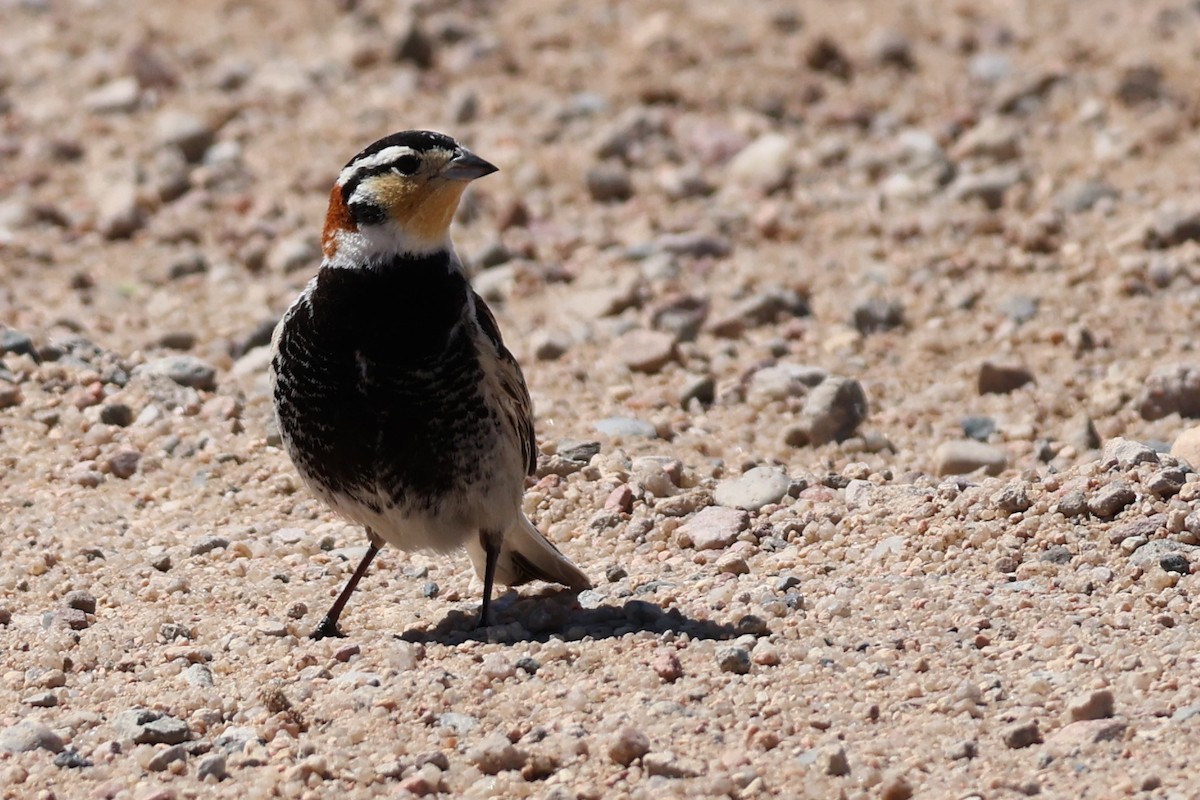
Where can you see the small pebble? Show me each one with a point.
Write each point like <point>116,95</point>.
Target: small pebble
<point>877,315</point>
<point>753,489</point>
<point>628,745</point>
<point>713,528</point>
<point>1021,734</point>
<point>124,463</point>
<point>211,766</point>
<point>81,599</point>
<point>496,754</point>
<point>1094,705</point>
<point>831,760</point>
<point>733,659</point>
<point>29,735</point>
<point>1128,453</point>
<point>1111,499</point>
<point>964,456</point>
<point>996,378</point>
<point>666,665</point>
<point>185,370</point>
<point>609,182</point>
<point>163,758</point>
<point>1012,499</point>
<point>208,544</point>
<point>644,350</point>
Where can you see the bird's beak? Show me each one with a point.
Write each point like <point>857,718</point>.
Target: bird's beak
<point>467,166</point>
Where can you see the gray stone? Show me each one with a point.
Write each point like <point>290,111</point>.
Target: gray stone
<point>119,213</point>
<point>1152,553</point>
<point>549,345</point>
<point>185,370</point>
<point>978,428</point>
<point>668,765</point>
<point>1166,483</point>
<point>832,412</point>
<point>963,456</point>
<point>198,675</point>
<point>211,766</point>
<point>644,350</point>
<point>1020,308</point>
<point>144,726</point>
<point>459,723</point>
<point>753,489</point>
<point>187,133</point>
<point>890,48</point>
<point>1128,453</point>
<point>1020,735</point>
<point>1171,389</point>
<point>878,314</point>
<point>28,735</point>
<point>1171,225</point>
<point>990,67</point>
<point>628,745</point>
<point>1077,198</point>
<point>496,754</point>
<point>831,760</point>
<point>117,414</point>
<point>1073,504</point>
<point>1112,499</point>
<point>124,463</point>
<point>626,427</point>
<point>41,700</point>
<point>81,599</point>
<point>733,659</point>
<point>208,544</point>
<point>1013,498</point>
<point>701,388</point>
<point>783,380</point>
<point>1140,83</point>
<point>988,187</point>
<point>161,760</point>
<point>234,739</point>
<point>764,308</point>
<point>713,528</point>
<point>609,182</point>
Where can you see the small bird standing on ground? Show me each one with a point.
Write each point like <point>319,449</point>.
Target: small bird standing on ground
<point>396,398</point>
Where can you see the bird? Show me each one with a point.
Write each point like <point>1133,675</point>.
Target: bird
<point>396,398</point>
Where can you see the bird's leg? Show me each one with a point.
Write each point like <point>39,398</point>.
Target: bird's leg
<point>328,626</point>
<point>491,541</point>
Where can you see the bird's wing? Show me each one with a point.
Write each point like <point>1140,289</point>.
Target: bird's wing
<point>512,382</point>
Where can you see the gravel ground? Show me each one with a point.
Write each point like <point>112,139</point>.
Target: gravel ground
<point>861,339</point>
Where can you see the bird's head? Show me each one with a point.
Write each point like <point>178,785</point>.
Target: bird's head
<point>398,196</point>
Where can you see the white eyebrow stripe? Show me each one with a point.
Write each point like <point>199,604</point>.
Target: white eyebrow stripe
<point>384,156</point>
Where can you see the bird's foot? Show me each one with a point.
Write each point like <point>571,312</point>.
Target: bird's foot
<point>328,629</point>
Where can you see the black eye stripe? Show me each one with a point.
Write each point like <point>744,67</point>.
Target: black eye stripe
<point>367,213</point>
<point>352,184</point>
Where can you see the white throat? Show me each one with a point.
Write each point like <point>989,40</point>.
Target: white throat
<point>378,245</point>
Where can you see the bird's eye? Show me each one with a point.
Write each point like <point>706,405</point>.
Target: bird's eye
<point>407,165</point>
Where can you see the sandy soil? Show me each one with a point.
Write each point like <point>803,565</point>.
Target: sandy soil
<point>880,316</point>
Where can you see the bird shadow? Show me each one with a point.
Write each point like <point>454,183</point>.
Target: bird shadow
<point>557,614</point>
